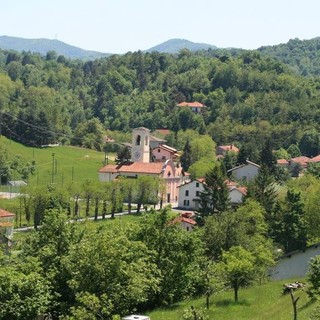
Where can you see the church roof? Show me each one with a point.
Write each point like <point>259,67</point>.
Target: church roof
<point>134,167</point>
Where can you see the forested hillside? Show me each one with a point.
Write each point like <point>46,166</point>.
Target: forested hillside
<point>302,55</point>
<point>249,97</point>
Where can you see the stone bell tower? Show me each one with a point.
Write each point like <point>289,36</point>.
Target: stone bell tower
<point>140,151</point>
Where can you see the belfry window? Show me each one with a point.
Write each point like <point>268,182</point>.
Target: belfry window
<point>138,140</point>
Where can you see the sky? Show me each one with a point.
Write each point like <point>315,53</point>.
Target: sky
<point>119,26</point>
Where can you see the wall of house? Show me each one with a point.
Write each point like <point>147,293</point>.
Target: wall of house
<point>106,176</point>
<point>235,196</point>
<point>247,172</point>
<point>193,188</point>
<point>160,154</point>
<point>295,265</point>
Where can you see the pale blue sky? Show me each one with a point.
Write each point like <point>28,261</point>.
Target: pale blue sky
<point>118,26</point>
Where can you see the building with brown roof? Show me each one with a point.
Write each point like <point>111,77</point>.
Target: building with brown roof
<point>222,150</point>
<point>195,106</point>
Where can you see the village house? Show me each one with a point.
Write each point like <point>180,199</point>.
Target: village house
<point>185,223</point>
<point>6,226</point>
<point>189,194</point>
<point>195,106</point>
<point>245,172</point>
<point>163,153</point>
<point>222,150</point>
<point>140,164</point>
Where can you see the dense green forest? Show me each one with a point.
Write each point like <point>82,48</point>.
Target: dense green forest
<point>250,97</point>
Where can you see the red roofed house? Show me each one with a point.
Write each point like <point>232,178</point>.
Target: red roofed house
<point>302,161</point>
<point>185,223</point>
<point>282,162</point>
<point>140,165</point>
<point>315,159</point>
<point>195,106</point>
<point>163,153</point>
<point>222,150</point>
<point>6,226</point>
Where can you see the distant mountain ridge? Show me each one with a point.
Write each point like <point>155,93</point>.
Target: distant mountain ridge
<point>175,45</point>
<point>42,46</point>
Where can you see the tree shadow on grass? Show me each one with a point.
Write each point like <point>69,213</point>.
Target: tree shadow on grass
<point>230,302</point>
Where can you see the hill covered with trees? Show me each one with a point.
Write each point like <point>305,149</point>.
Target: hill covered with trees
<point>249,97</point>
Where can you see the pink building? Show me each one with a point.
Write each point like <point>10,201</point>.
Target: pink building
<point>163,153</point>
<point>140,164</point>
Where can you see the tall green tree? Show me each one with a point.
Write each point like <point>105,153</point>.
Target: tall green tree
<point>215,197</point>
<point>290,225</point>
<point>239,268</point>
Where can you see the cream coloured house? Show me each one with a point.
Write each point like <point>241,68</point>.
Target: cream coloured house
<point>189,194</point>
<point>245,172</point>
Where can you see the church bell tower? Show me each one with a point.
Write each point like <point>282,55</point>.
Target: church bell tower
<point>140,151</point>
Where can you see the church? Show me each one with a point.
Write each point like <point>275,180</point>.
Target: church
<point>140,164</point>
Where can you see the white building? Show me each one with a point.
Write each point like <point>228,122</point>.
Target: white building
<point>189,194</point>
<point>246,172</point>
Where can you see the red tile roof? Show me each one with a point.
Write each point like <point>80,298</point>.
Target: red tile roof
<point>230,147</point>
<point>183,219</point>
<point>243,190</point>
<point>164,132</point>
<point>194,104</point>
<point>302,161</point>
<point>282,162</point>
<point>315,159</point>
<point>134,167</point>
<point>6,214</point>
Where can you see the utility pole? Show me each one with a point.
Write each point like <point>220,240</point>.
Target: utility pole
<point>52,173</point>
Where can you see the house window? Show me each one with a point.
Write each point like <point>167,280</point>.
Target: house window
<point>159,150</point>
<point>187,228</point>
<point>197,184</point>
<point>146,141</point>
<point>163,157</point>
<point>198,193</point>
<point>169,173</point>
<point>186,203</point>
<point>187,193</point>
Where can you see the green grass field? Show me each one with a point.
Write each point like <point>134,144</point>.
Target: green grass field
<point>261,302</point>
<point>67,164</point>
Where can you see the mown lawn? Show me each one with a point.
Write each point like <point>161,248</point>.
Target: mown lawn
<point>67,164</point>
<point>261,302</point>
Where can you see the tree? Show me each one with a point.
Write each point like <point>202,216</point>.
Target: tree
<point>128,187</point>
<point>215,197</point>
<point>267,158</point>
<point>263,191</point>
<point>186,159</point>
<point>176,259</point>
<point>23,295</point>
<point>123,155</point>
<point>110,272</point>
<point>309,143</point>
<point>146,191</point>
<point>239,268</point>
<point>294,151</point>
<point>289,226</point>
<point>313,277</point>
<point>51,245</point>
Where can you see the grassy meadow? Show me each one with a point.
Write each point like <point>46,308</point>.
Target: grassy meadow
<point>67,164</point>
<point>261,302</point>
